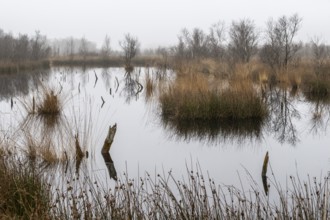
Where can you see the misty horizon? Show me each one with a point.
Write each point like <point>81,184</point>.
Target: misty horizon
<point>153,23</point>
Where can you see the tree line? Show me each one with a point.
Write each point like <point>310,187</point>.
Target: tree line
<point>240,42</point>
<point>23,48</point>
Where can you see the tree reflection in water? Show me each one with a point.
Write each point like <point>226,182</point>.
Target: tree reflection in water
<point>320,113</point>
<point>14,85</point>
<point>282,113</point>
<point>132,87</point>
<point>281,123</point>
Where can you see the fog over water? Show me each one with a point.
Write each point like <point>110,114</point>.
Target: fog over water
<point>153,22</point>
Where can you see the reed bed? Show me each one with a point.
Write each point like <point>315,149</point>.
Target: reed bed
<point>196,197</point>
<point>29,194</point>
<point>191,97</point>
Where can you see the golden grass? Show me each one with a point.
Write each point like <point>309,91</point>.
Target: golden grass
<point>193,97</point>
<point>23,194</point>
<point>50,104</point>
<point>305,76</point>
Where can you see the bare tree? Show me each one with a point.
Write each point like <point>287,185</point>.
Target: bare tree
<point>70,47</point>
<point>83,48</point>
<point>198,43</point>
<point>280,47</point>
<point>40,49</point>
<point>243,40</point>
<point>22,48</point>
<point>216,38</point>
<point>106,49</point>
<point>164,53</point>
<point>194,44</point>
<point>320,55</point>
<point>130,46</point>
<point>7,47</point>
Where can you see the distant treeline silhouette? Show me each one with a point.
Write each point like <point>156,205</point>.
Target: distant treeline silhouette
<point>23,48</point>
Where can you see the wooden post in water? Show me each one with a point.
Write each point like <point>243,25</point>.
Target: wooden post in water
<point>265,165</point>
<point>264,173</point>
<point>109,139</point>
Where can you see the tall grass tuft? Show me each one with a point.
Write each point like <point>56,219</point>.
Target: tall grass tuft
<point>50,104</point>
<point>192,98</point>
<point>23,194</point>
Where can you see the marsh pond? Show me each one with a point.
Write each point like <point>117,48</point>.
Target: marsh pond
<point>295,134</point>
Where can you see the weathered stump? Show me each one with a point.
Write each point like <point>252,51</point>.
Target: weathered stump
<point>109,139</point>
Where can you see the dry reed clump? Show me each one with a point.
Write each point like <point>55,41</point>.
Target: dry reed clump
<point>47,104</point>
<point>192,97</point>
<point>50,104</point>
<point>23,194</point>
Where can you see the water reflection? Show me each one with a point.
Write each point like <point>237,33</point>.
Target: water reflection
<point>283,112</point>
<point>320,114</point>
<point>20,84</point>
<point>264,173</point>
<point>286,111</point>
<point>215,132</point>
<point>110,165</point>
<point>106,77</point>
<point>132,87</point>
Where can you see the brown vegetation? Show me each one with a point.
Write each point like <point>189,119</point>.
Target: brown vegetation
<point>25,194</point>
<point>199,97</point>
<point>50,104</point>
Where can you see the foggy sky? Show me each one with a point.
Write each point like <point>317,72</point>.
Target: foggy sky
<point>154,22</point>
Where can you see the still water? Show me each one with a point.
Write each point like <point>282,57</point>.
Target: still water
<point>295,135</point>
